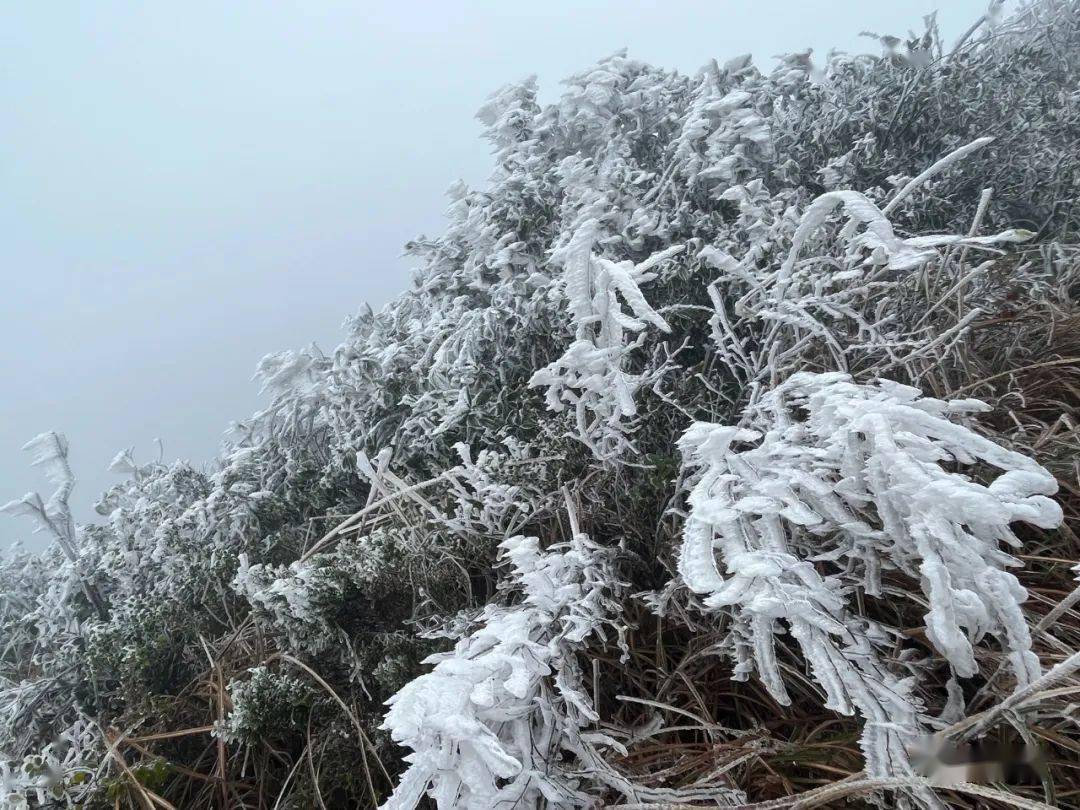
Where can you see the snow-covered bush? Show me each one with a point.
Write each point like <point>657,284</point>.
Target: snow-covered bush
<point>492,722</point>
<point>852,475</point>
<point>741,317</point>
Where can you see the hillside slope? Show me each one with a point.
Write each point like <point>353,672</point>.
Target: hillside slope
<point>724,446</point>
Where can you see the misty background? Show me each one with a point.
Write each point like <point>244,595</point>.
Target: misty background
<point>187,186</point>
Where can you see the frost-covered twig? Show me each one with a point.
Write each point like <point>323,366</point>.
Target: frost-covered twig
<point>54,516</point>
<point>591,375</point>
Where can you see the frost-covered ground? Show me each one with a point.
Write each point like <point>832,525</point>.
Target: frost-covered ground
<point>723,451</point>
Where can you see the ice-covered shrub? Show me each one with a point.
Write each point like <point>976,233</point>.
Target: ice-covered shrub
<point>58,774</point>
<point>492,721</point>
<point>652,251</point>
<point>265,704</point>
<point>855,476</point>
<point>592,375</point>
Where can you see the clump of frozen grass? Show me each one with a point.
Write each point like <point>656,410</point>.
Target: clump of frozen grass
<point>492,722</point>
<point>828,470</point>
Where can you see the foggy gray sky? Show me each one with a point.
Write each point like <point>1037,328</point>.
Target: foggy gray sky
<point>187,186</point>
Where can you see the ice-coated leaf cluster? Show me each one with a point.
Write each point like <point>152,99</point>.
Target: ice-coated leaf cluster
<point>486,726</point>
<point>830,470</point>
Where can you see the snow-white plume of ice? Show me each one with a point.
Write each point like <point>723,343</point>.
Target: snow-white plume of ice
<point>592,375</point>
<point>827,469</point>
<point>485,724</point>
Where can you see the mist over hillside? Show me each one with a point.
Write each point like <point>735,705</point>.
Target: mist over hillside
<point>722,453</point>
